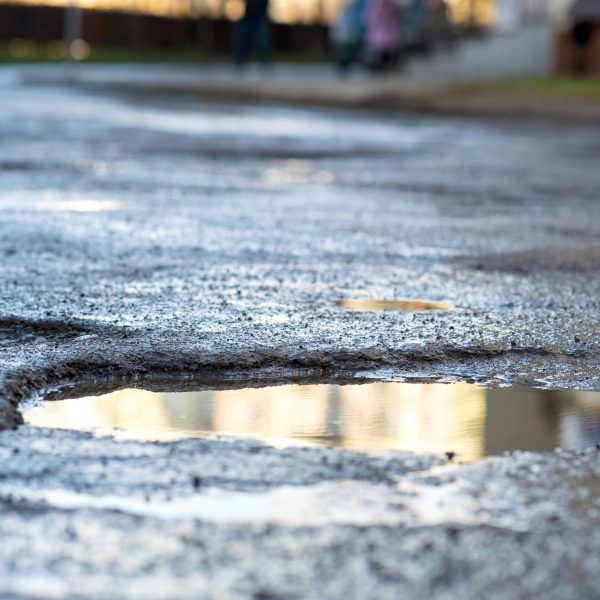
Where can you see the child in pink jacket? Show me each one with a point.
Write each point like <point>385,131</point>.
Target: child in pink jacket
<point>383,32</point>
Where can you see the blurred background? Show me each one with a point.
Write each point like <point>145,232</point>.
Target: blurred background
<point>495,37</point>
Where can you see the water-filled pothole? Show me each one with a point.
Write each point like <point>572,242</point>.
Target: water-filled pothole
<point>468,420</point>
<point>405,305</point>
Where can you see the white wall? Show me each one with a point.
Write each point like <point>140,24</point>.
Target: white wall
<point>513,14</point>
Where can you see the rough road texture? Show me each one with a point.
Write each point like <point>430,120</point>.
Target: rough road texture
<point>152,236</point>
<point>89,518</point>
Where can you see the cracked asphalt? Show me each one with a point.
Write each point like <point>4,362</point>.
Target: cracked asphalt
<point>158,238</point>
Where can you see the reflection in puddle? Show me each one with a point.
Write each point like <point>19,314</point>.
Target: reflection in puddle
<point>408,305</point>
<point>469,420</point>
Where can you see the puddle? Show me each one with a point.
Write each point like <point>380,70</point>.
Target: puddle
<point>407,305</point>
<point>468,420</point>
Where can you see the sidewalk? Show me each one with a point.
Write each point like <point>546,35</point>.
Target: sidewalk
<point>316,85</point>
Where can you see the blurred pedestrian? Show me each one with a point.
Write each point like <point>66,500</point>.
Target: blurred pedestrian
<point>383,33</point>
<point>347,34</point>
<point>252,34</point>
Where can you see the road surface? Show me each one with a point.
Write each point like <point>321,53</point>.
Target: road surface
<point>150,237</point>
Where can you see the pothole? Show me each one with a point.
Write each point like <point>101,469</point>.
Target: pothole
<point>466,421</point>
<point>405,305</point>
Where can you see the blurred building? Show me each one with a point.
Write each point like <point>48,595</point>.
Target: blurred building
<point>513,14</point>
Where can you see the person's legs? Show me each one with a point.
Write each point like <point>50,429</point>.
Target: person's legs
<point>388,60</point>
<point>261,42</point>
<point>241,43</point>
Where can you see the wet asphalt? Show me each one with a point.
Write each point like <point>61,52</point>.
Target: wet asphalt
<point>146,238</point>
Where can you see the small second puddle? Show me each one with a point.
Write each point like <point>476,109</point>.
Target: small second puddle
<point>468,420</point>
<point>401,305</point>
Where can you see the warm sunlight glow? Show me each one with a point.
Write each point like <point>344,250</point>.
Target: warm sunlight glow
<point>479,12</point>
<point>282,11</point>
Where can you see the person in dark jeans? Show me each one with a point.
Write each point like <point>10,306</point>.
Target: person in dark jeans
<point>252,33</point>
